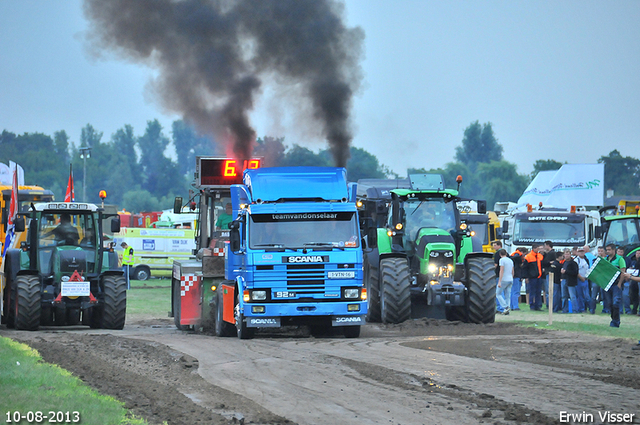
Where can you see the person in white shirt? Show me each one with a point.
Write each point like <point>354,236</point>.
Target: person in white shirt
<point>505,280</point>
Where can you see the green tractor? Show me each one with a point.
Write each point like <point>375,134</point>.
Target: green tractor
<point>63,274</point>
<point>425,261</point>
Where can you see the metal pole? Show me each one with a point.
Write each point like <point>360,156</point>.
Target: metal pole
<point>84,179</point>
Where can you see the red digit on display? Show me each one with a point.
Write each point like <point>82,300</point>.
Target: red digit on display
<point>254,163</point>
<point>230,168</point>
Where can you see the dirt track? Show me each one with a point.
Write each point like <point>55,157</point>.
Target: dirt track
<point>420,372</point>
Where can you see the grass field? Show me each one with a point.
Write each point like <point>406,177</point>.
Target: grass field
<point>594,324</point>
<point>30,385</point>
<point>149,298</point>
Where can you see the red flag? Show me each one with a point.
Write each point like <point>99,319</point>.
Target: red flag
<point>70,195</point>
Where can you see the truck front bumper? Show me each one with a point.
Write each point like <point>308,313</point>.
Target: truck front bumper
<point>281,314</point>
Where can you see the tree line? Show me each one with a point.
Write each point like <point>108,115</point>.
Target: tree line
<point>139,174</point>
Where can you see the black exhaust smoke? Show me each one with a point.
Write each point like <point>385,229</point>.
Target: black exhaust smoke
<point>212,56</point>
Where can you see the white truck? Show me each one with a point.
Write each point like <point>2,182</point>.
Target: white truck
<point>564,228</point>
<point>156,249</point>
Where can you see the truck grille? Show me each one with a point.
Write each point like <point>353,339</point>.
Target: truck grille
<point>306,278</point>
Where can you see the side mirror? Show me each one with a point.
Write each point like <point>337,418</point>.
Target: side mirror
<point>499,234</point>
<point>234,239</point>
<point>177,205</point>
<point>115,225</point>
<point>482,207</point>
<point>19,223</point>
<point>599,232</point>
<point>505,227</point>
<point>363,243</point>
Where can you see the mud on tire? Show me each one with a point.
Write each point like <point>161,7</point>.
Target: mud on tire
<point>115,302</point>
<point>481,286</point>
<point>27,303</point>
<point>395,298</point>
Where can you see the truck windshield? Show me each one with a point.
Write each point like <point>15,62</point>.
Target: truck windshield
<point>623,232</point>
<point>566,232</point>
<point>67,243</point>
<point>70,229</point>
<point>300,230</point>
<point>428,213</point>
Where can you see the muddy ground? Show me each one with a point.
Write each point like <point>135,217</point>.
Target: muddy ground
<point>423,371</point>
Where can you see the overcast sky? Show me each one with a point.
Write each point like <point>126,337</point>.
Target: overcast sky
<point>557,79</point>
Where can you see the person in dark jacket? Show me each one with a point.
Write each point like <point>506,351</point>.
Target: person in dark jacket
<point>549,256</point>
<point>532,271</point>
<point>570,275</point>
<point>517,257</point>
<point>555,269</point>
<point>633,270</point>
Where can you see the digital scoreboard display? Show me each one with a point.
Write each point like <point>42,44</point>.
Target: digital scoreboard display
<point>220,173</point>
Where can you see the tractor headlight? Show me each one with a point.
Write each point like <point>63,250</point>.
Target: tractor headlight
<point>434,254</point>
<point>399,226</point>
<point>351,293</point>
<point>259,295</point>
<point>448,254</point>
<point>433,268</point>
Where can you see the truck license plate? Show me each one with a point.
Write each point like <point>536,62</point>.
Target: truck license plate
<point>342,275</point>
<point>284,294</point>
<point>75,289</point>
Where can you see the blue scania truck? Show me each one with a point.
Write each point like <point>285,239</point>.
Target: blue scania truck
<point>291,255</point>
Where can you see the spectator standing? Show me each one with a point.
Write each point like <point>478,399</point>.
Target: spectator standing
<point>612,297</point>
<point>497,246</point>
<point>602,254</point>
<point>549,257</point>
<point>128,261</point>
<point>570,275</point>
<point>555,268</point>
<point>517,258</point>
<point>633,272</point>
<point>505,280</point>
<point>593,287</point>
<point>532,270</point>
<point>582,291</point>
<point>625,305</point>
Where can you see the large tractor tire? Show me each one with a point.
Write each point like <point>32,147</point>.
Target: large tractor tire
<point>223,328</point>
<point>177,308</point>
<point>115,302</point>
<point>481,286</point>
<point>372,283</point>
<point>27,303</point>
<point>395,298</point>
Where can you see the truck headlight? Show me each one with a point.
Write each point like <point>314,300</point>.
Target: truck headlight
<point>259,295</point>
<point>351,293</point>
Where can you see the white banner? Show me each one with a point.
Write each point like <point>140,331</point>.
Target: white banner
<point>538,190</point>
<point>572,184</point>
<point>12,166</point>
